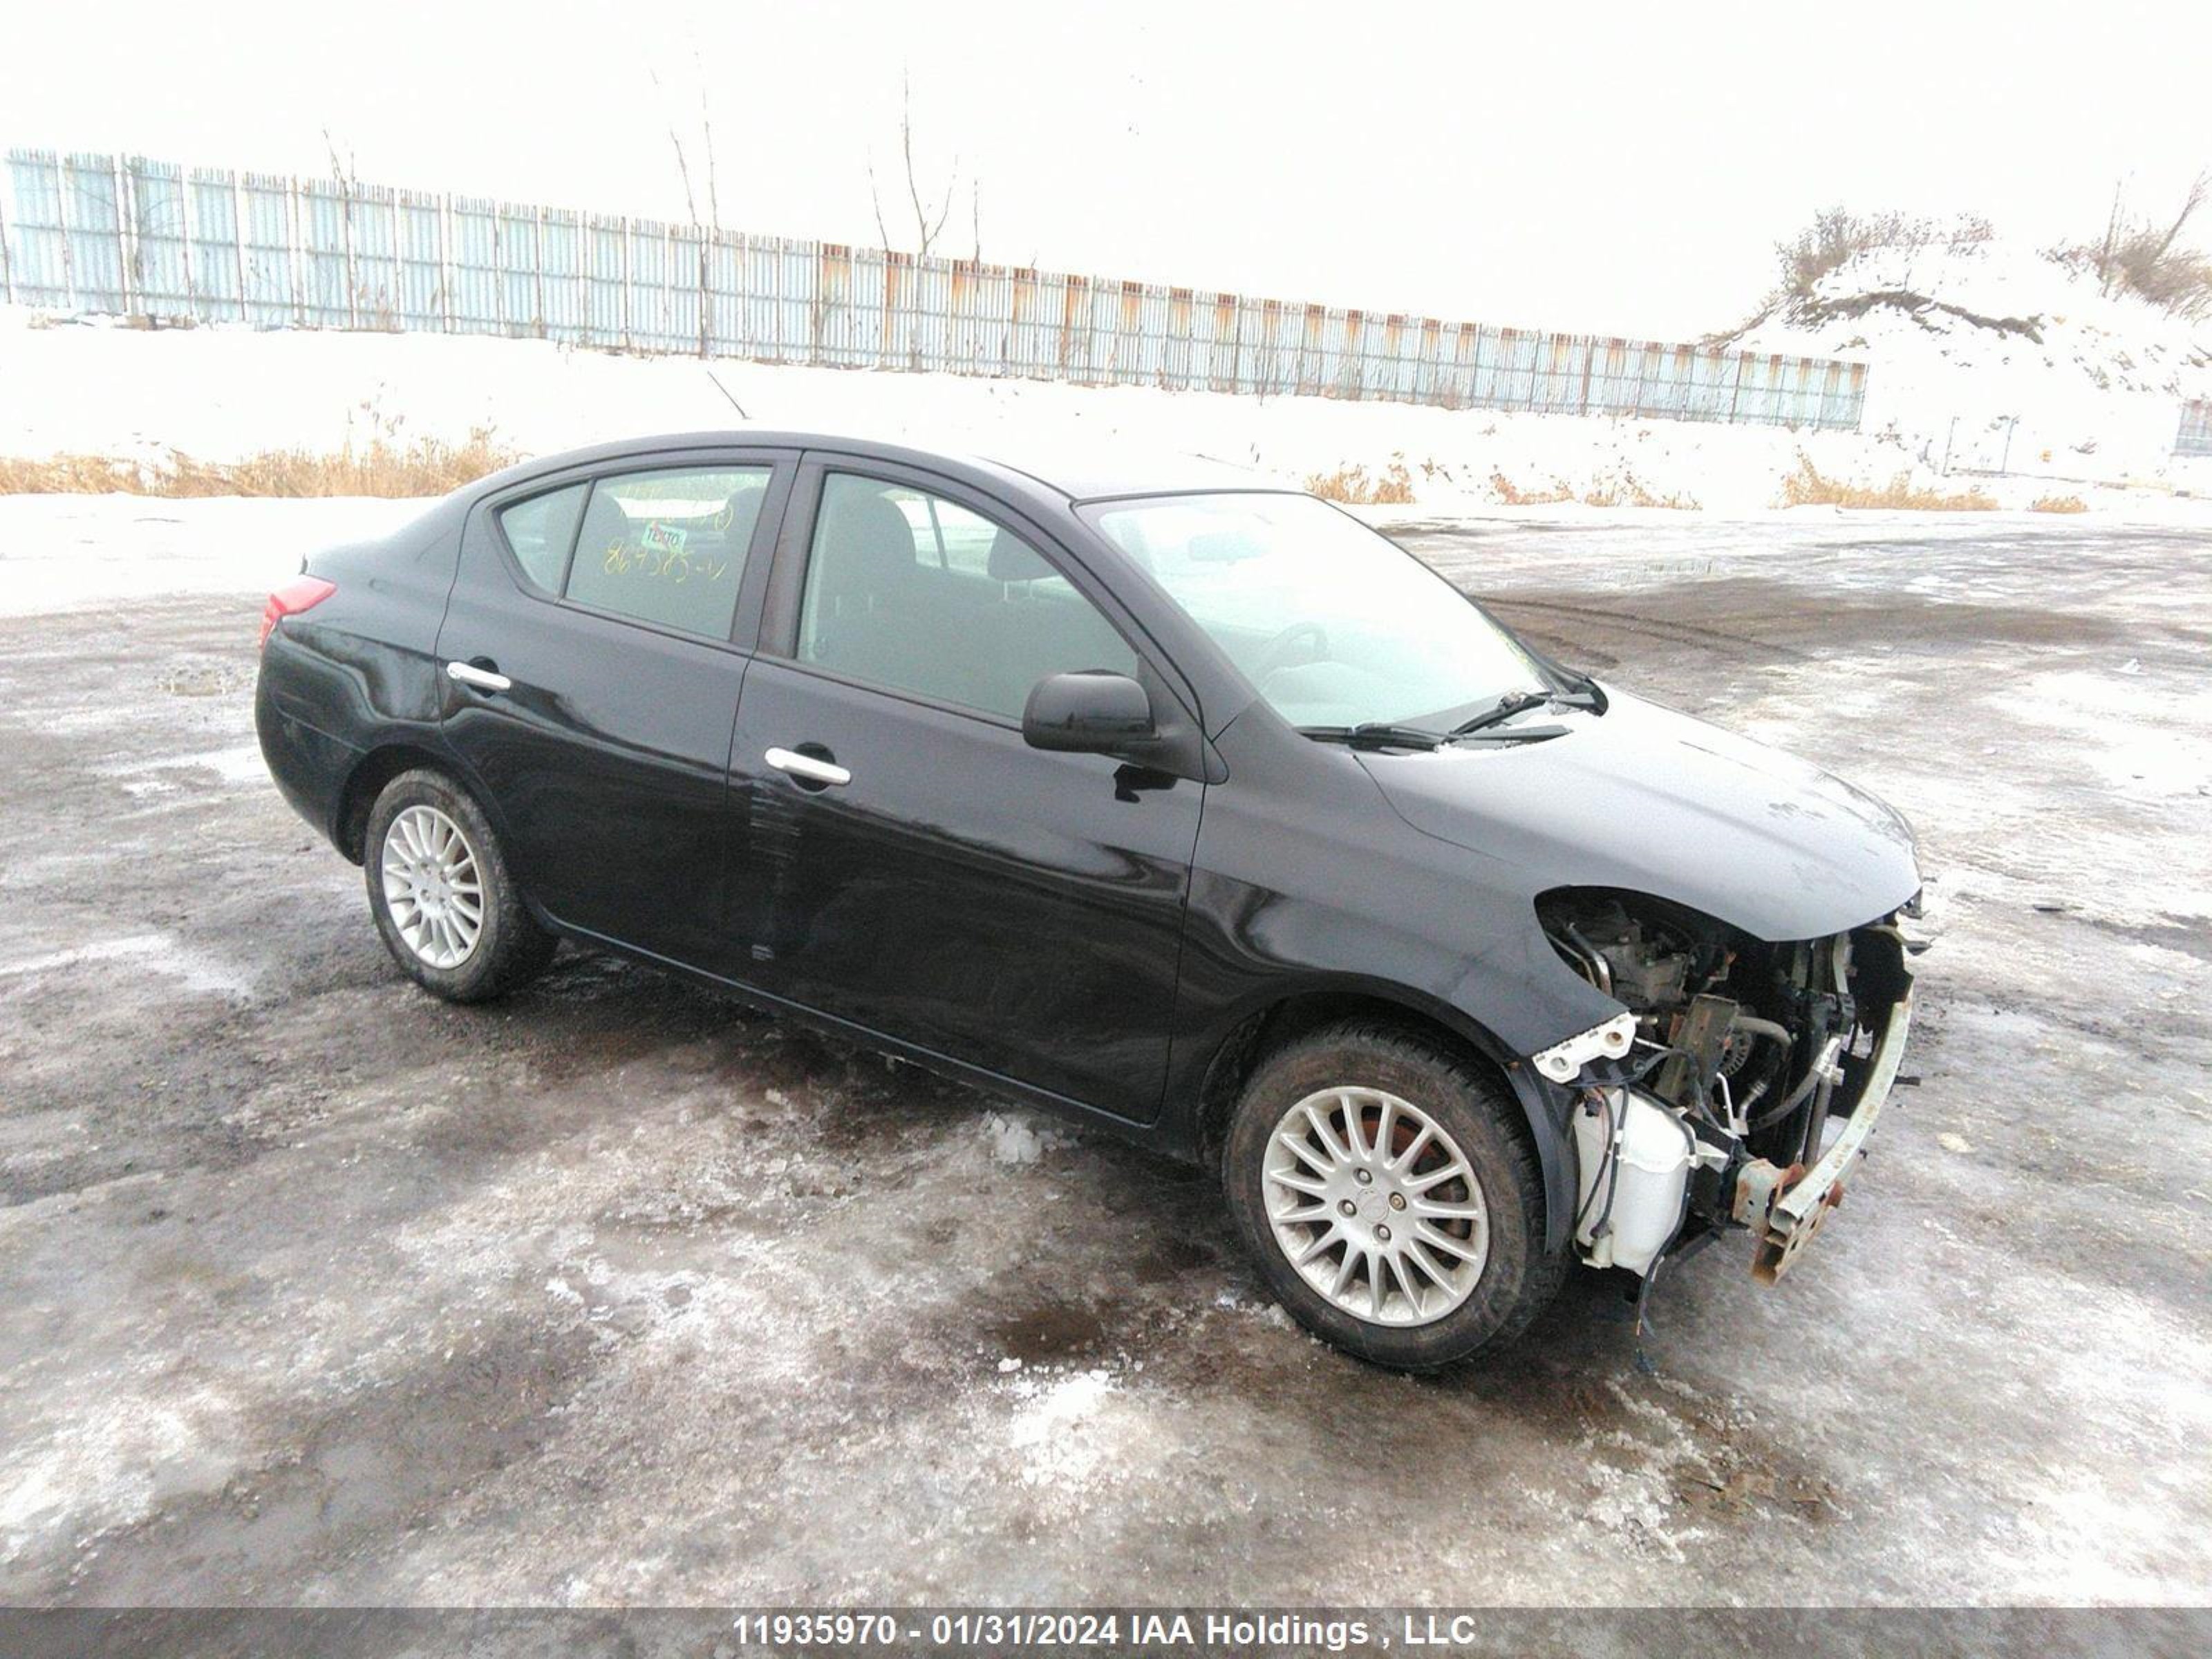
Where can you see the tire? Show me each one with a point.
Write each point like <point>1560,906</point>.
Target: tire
<point>1458,1163</point>
<point>447,908</point>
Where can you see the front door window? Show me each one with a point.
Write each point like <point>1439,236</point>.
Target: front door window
<point>915,593</point>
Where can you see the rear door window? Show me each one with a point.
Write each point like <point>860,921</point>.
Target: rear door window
<point>669,547</point>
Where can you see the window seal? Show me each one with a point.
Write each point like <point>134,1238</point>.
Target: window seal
<point>896,693</point>
<point>577,536</point>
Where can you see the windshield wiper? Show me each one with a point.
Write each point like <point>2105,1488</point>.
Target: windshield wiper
<point>1374,734</point>
<point>1512,704</point>
<point>1381,734</point>
<point>1585,695</point>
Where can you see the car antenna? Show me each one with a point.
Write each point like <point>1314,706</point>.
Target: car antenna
<point>725,391</point>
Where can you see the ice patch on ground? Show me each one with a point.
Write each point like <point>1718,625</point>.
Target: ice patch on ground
<point>1017,1139</point>
<point>2140,746</point>
<point>242,764</point>
<point>1635,1503</point>
<point>111,1467</point>
<point>162,953</point>
<point>1063,1433</point>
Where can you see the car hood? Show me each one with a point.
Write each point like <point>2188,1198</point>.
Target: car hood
<point>1648,800</point>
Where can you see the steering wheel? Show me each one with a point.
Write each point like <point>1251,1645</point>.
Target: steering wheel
<point>1278,652</point>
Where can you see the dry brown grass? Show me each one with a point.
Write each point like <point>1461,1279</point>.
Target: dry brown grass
<point>2059,504</point>
<point>67,475</point>
<point>1624,489</point>
<point>1516,495</point>
<point>1809,486</point>
<point>423,466</point>
<point>1837,235</point>
<point>1393,486</point>
<point>2146,255</point>
<point>1628,490</point>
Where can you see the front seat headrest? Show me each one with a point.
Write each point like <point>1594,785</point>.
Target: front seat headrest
<point>1014,560</point>
<point>866,547</point>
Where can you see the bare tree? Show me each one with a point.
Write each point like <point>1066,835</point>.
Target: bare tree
<point>345,171</point>
<point>712,221</point>
<point>678,142</point>
<point>343,167</point>
<point>926,229</point>
<point>883,234</point>
<point>707,143</point>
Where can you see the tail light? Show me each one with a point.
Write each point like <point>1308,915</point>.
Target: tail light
<point>301,593</point>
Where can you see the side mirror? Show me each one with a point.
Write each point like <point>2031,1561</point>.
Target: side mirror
<point>1092,712</point>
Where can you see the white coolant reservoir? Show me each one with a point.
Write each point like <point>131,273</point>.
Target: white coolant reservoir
<point>1635,1157</point>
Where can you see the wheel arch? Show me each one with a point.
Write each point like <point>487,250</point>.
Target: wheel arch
<point>371,773</point>
<point>1292,1015</point>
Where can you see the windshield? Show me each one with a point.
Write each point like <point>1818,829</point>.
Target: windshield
<point>1333,625</point>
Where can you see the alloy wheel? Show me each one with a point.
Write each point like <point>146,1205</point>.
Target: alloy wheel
<point>1373,1203</point>
<point>431,886</point>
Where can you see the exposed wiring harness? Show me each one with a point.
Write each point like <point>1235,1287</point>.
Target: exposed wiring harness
<point>1610,1132</point>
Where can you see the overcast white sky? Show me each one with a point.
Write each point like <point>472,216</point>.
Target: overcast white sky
<point>1613,168</point>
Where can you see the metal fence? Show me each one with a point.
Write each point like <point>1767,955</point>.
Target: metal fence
<point>132,237</point>
<point>2195,437</point>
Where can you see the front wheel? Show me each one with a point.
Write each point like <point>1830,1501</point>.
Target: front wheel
<point>438,887</point>
<point>1389,1191</point>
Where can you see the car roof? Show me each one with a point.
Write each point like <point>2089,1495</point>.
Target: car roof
<point>1111,468</point>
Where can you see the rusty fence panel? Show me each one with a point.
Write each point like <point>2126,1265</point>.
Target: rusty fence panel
<point>143,239</point>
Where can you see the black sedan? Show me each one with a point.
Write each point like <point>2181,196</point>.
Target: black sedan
<point>1162,798</point>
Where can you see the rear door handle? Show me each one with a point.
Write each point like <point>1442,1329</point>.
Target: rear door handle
<point>807,766</point>
<point>483,678</point>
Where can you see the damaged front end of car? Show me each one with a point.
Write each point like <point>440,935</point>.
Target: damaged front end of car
<point>1739,1086</point>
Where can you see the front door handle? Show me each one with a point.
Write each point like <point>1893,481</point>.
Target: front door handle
<point>483,678</point>
<point>806,767</point>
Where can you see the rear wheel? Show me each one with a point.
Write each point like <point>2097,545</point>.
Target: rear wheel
<point>1387,1188</point>
<point>439,890</point>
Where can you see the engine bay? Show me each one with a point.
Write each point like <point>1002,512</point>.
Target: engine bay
<point>1744,1059</point>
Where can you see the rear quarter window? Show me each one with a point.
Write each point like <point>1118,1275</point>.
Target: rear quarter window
<point>542,530</point>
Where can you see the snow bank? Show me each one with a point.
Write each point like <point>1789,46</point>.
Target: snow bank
<point>222,394</point>
<point>2005,358</point>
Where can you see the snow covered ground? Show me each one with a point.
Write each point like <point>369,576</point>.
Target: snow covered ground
<point>222,393</point>
<point>65,552</point>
